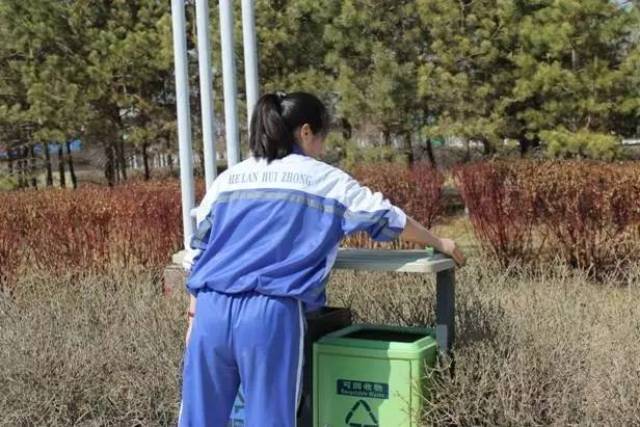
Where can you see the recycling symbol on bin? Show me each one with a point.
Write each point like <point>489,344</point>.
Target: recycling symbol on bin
<point>361,416</point>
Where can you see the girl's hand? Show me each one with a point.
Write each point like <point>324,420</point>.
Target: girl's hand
<point>186,341</point>
<point>415,232</point>
<point>191,312</point>
<point>449,247</point>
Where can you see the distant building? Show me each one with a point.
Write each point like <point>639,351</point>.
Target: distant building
<point>631,141</point>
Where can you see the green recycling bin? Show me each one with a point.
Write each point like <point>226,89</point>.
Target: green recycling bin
<point>372,376</point>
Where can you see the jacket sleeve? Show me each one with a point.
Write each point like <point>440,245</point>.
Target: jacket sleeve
<point>370,212</point>
<point>199,239</point>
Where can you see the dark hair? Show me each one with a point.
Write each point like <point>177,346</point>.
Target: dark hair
<point>275,118</point>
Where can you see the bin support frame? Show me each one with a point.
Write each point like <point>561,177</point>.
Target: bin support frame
<point>414,261</point>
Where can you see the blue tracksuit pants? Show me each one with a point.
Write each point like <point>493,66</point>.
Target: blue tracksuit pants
<point>249,339</point>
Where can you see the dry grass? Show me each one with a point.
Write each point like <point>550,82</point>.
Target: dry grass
<point>533,349</point>
<point>541,347</point>
<point>98,350</point>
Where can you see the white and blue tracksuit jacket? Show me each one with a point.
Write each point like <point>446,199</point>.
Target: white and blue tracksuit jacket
<point>267,237</point>
<point>275,228</point>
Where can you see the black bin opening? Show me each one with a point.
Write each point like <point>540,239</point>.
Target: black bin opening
<point>385,335</point>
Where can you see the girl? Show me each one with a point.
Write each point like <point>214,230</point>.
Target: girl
<point>267,236</point>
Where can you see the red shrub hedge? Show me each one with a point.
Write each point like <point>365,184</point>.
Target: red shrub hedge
<point>500,200</point>
<point>89,228</point>
<point>591,212</point>
<point>587,212</point>
<point>140,223</point>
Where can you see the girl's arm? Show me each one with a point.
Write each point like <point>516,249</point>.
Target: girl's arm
<point>192,304</point>
<point>192,309</point>
<point>373,213</point>
<point>415,232</point>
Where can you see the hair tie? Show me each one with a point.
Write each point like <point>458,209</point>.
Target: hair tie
<point>281,96</point>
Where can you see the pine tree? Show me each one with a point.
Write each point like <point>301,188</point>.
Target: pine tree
<point>375,48</point>
<point>527,70</point>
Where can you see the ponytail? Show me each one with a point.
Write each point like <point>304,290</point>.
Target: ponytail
<point>276,117</point>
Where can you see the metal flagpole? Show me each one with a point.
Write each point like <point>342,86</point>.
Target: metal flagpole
<point>229,81</point>
<point>184,123</point>
<point>206,91</point>
<point>250,56</point>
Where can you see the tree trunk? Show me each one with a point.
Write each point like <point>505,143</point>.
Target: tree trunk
<point>430,156</point>
<point>524,146</point>
<point>467,154</point>
<point>386,137</point>
<point>109,170</point>
<point>408,148</point>
<point>145,161</point>
<point>63,181</point>
<point>24,172</point>
<point>74,179</point>
<point>113,167</point>
<point>116,166</point>
<point>121,158</point>
<point>489,149</point>
<point>47,162</point>
<point>116,162</point>
<point>32,166</point>
<point>170,161</point>
<point>347,129</point>
<point>21,171</point>
<point>25,166</point>
<point>527,144</point>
